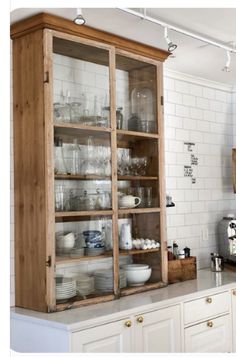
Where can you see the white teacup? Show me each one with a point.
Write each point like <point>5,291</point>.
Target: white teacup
<point>129,201</point>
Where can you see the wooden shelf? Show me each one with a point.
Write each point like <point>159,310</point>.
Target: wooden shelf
<point>81,131</point>
<point>137,178</point>
<point>137,134</point>
<point>83,213</point>
<point>138,210</point>
<point>95,299</point>
<point>82,127</point>
<point>68,259</point>
<point>139,289</point>
<point>81,177</point>
<point>138,251</point>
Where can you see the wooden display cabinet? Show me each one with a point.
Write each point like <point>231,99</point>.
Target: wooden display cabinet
<point>60,70</point>
<point>234,168</point>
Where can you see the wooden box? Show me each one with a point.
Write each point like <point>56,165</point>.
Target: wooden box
<point>182,269</point>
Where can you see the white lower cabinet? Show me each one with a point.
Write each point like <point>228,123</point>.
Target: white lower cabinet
<point>114,337</point>
<point>158,331</point>
<point>234,319</point>
<point>209,336</point>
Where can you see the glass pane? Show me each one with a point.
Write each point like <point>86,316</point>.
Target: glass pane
<point>139,241</point>
<point>81,84</point>
<point>82,165</point>
<point>137,166</point>
<point>136,95</point>
<point>84,258</point>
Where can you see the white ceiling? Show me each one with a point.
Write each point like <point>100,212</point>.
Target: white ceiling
<point>191,58</point>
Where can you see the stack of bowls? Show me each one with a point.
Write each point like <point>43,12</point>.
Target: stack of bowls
<point>94,244</point>
<point>64,243</point>
<point>104,280</point>
<point>137,274</point>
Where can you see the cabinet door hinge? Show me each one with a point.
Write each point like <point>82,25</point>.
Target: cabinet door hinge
<point>46,77</point>
<point>162,100</point>
<point>49,261</point>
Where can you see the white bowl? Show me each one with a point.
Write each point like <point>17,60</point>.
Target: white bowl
<point>135,266</point>
<point>138,277</point>
<point>62,242</point>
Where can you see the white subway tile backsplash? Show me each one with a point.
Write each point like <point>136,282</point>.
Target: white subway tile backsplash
<point>182,87</point>
<point>174,97</point>
<point>182,111</point>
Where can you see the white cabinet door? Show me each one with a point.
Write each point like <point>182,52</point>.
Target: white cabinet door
<point>160,331</point>
<point>112,337</point>
<point>209,336</point>
<point>234,319</point>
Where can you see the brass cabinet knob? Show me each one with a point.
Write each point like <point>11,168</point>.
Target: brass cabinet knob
<point>234,292</point>
<point>128,323</point>
<point>140,319</point>
<point>210,324</point>
<point>209,300</point>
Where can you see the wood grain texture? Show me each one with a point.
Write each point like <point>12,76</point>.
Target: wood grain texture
<point>57,23</point>
<point>182,269</point>
<point>29,172</point>
<point>234,168</point>
<point>49,169</point>
<point>161,171</point>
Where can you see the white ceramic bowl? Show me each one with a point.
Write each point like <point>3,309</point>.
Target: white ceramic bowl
<point>67,241</point>
<point>135,266</point>
<point>138,277</point>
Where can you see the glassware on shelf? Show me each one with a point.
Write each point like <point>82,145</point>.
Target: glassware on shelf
<point>103,199</point>
<point>142,106</point>
<point>89,200</point>
<point>60,163</point>
<point>62,109</point>
<point>119,118</point>
<point>148,196</point>
<point>133,122</point>
<point>75,158</point>
<point>75,112</point>
<point>61,200</point>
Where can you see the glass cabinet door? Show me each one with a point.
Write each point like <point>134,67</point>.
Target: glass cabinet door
<point>136,93</point>
<point>84,219</point>
<point>81,84</point>
<point>138,173</point>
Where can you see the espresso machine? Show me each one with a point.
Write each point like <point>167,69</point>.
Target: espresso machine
<point>227,238</point>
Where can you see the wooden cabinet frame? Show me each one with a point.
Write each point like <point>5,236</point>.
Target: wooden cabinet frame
<point>33,154</point>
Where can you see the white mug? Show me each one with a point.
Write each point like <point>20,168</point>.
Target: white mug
<point>129,201</point>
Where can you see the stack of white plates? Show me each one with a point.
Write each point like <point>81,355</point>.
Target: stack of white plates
<point>104,280</point>
<point>66,289</point>
<point>84,284</point>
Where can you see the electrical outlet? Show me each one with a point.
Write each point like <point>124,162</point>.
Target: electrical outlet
<point>204,233</point>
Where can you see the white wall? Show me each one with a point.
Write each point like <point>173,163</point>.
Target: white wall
<point>200,112</point>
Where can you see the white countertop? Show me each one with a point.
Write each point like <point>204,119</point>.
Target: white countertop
<point>80,318</point>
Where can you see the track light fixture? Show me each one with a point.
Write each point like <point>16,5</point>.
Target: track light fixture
<point>226,68</point>
<point>171,45</point>
<point>79,20</point>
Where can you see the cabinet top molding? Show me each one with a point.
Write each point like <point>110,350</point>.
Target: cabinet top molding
<point>46,21</point>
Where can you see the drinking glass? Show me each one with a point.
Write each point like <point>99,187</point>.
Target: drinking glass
<point>75,112</point>
<point>140,192</point>
<point>148,195</point>
<point>60,199</point>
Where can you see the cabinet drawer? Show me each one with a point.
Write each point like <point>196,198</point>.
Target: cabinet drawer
<point>209,336</point>
<point>206,307</point>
